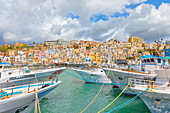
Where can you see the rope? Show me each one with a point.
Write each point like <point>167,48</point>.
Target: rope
<point>113,100</point>
<point>93,99</point>
<point>73,75</point>
<point>123,105</point>
<point>94,81</point>
<point>37,102</point>
<point>35,110</point>
<point>35,77</point>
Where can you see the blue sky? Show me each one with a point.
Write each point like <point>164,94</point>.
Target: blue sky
<point>97,17</point>
<point>157,3</point>
<point>101,16</point>
<point>70,15</point>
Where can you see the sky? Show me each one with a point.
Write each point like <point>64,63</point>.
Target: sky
<point>37,21</point>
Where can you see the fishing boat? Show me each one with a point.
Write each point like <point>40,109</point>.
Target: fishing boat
<point>144,69</point>
<point>93,76</point>
<point>157,97</point>
<point>13,75</point>
<point>23,97</point>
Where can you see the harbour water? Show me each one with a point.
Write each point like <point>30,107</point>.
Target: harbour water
<point>73,95</point>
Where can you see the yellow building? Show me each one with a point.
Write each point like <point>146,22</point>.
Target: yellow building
<point>38,61</point>
<point>46,59</point>
<point>139,45</point>
<point>140,40</point>
<point>75,51</point>
<point>98,60</point>
<point>12,52</point>
<point>95,58</point>
<point>135,39</point>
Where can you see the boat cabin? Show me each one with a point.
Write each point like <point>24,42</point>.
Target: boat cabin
<point>150,63</point>
<point>3,65</point>
<point>152,60</point>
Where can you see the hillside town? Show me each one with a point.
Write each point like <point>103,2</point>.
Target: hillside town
<point>79,52</point>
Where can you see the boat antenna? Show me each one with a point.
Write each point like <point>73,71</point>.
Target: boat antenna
<point>27,56</point>
<point>158,44</point>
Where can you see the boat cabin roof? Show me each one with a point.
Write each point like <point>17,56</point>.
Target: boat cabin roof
<point>150,56</point>
<point>166,58</point>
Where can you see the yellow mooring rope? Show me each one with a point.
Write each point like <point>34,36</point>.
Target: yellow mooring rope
<point>35,109</point>
<point>113,100</point>
<point>93,99</point>
<point>36,102</point>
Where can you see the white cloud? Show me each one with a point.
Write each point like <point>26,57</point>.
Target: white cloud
<point>148,22</point>
<point>39,20</point>
<point>10,36</point>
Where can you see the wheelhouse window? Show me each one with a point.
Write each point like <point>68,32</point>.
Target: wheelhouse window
<point>148,60</point>
<point>152,60</point>
<point>145,60</point>
<point>159,60</point>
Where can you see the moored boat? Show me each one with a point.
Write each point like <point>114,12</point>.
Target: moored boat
<point>14,75</point>
<point>144,70</point>
<point>93,76</point>
<point>21,98</point>
<point>157,97</point>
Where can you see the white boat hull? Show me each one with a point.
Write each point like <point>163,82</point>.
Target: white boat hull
<point>157,102</point>
<point>93,77</point>
<point>24,102</point>
<point>24,76</point>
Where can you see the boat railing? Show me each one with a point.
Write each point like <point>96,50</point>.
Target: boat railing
<point>133,81</point>
<point>149,83</point>
<point>28,70</point>
<point>10,86</point>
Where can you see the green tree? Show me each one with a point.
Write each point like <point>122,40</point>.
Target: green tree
<point>10,48</point>
<point>87,47</point>
<point>75,46</point>
<point>140,51</point>
<point>44,45</point>
<point>129,58</point>
<point>17,47</point>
